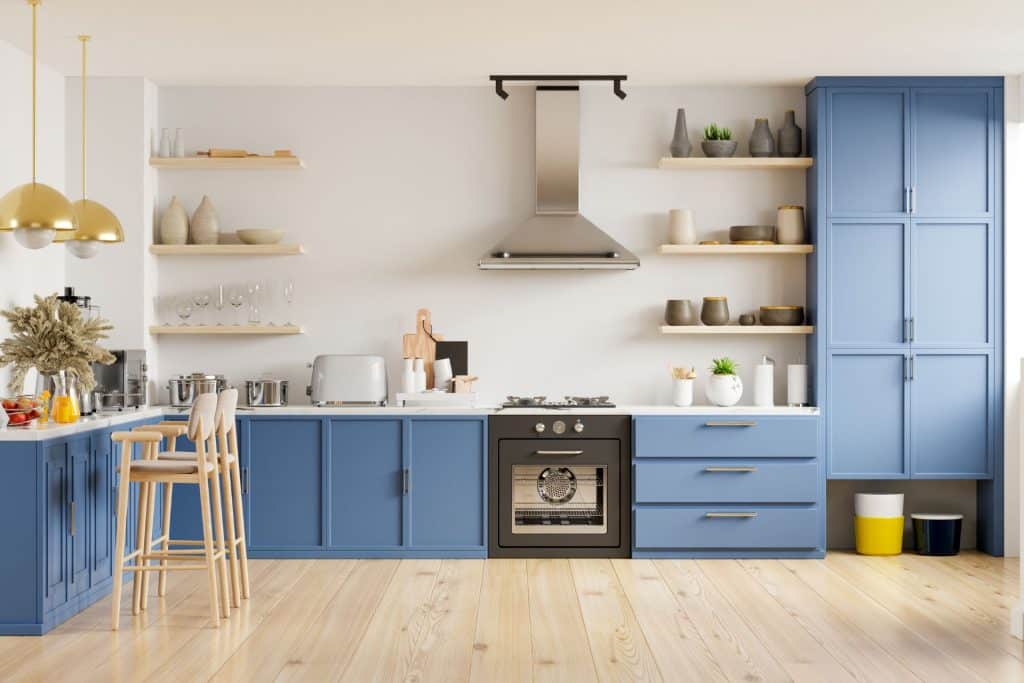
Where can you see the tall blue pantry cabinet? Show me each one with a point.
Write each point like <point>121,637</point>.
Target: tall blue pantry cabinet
<point>905,285</point>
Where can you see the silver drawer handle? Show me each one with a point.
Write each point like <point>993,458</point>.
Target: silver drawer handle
<point>730,424</point>
<point>724,468</point>
<point>558,452</point>
<point>730,515</point>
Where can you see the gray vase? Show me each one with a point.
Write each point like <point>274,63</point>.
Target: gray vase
<point>790,137</point>
<point>762,143</point>
<point>680,139</point>
<point>715,311</point>
<point>680,312</point>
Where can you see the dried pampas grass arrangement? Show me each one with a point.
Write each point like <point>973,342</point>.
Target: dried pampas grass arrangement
<point>52,336</point>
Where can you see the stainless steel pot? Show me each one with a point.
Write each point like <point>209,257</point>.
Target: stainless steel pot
<point>266,393</point>
<point>184,388</point>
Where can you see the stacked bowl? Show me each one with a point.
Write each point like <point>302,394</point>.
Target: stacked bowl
<point>878,523</point>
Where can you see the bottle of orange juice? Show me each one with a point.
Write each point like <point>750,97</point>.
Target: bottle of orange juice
<point>64,410</point>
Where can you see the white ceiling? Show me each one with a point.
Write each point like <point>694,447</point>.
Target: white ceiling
<point>460,42</point>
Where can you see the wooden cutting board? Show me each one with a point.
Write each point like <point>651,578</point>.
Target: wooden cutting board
<point>420,345</point>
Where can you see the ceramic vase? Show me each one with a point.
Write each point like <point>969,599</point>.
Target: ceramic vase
<point>179,143</point>
<point>174,224</point>
<point>682,392</point>
<point>204,223</point>
<point>790,137</point>
<point>762,143</point>
<point>165,143</point>
<point>724,390</point>
<point>789,225</point>
<point>680,139</point>
<point>715,311</point>
<point>682,228</point>
<point>680,312</point>
<point>419,376</point>
<point>408,376</point>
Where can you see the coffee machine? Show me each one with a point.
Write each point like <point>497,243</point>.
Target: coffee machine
<point>123,384</point>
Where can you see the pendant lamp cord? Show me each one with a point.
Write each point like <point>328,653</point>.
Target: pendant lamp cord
<point>35,6</point>
<point>84,39</point>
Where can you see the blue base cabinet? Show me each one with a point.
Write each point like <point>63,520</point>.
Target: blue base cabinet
<point>728,486</point>
<point>57,505</point>
<point>904,206</point>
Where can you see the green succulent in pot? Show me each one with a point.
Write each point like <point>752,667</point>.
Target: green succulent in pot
<point>723,366</point>
<point>724,387</point>
<point>718,141</point>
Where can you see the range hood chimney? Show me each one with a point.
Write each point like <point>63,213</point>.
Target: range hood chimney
<point>557,237</point>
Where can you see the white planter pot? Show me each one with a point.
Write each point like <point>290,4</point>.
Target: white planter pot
<point>682,392</point>
<point>724,390</point>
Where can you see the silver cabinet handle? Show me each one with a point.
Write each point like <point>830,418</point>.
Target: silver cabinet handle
<point>405,481</point>
<point>725,468</point>
<point>910,337</point>
<point>911,368</point>
<point>730,424</point>
<point>730,515</point>
<point>913,199</point>
<point>558,452</point>
<point>71,518</point>
<point>906,199</point>
<point>906,329</point>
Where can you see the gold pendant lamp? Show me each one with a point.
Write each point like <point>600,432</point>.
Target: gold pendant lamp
<point>96,223</point>
<point>34,211</point>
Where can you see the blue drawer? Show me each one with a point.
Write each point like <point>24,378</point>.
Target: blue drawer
<point>731,481</point>
<point>703,528</point>
<point>726,437</point>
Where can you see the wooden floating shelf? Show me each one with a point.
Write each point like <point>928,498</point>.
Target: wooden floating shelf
<point>225,162</point>
<point>737,329</point>
<point>708,249</point>
<point>226,249</point>
<point>226,329</point>
<point>735,162</point>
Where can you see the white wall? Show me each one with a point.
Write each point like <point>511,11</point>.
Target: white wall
<point>1014,304</point>
<point>24,272</point>
<point>405,188</point>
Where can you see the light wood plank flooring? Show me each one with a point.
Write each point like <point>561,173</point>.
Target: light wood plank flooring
<point>845,618</point>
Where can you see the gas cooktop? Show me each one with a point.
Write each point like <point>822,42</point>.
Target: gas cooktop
<point>567,402</point>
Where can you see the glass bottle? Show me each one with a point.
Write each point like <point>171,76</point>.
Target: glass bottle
<point>65,404</point>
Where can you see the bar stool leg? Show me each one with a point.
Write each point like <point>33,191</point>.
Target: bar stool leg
<point>123,488</point>
<point>150,519</point>
<point>208,551</point>
<point>140,545</point>
<point>165,546</point>
<point>218,530</point>
<point>239,546</point>
<point>229,514</point>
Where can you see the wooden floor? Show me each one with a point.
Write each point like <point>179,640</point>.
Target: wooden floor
<point>845,618</point>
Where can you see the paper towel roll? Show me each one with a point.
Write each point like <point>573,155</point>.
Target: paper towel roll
<point>796,385</point>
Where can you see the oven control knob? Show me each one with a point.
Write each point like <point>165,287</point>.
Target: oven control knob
<point>558,427</point>
<point>539,427</point>
<point>578,427</point>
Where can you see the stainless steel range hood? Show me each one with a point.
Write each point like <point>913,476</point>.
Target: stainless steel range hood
<point>558,237</point>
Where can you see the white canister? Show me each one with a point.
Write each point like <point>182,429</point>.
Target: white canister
<point>682,392</point>
<point>789,225</point>
<point>878,504</point>
<point>442,373</point>
<point>764,382</point>
<point>408,376</point>
<point>796,385</point>
<point>419,375</point>
<point>682,227</point>
<point>179,143</point>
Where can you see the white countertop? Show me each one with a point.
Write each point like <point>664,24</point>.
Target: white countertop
<point>52,430</point>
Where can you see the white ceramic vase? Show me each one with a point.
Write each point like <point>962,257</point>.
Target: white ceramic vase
<point>204,223</point>
<point>724,390</point>
<point>408,376</point>
<point>179,143</point>
<point>682,228</point>
<point>174,224</point>
<point>682,392</point>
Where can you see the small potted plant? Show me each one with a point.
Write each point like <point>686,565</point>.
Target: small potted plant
<point>718,141</point>
<point>724,387</point>
<point>682,386</point>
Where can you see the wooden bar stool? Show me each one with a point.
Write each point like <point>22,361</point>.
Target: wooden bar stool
<point>151,471</point>
<point>230,472</point>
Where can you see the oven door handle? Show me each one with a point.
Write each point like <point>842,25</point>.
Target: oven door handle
<point>558,452</point>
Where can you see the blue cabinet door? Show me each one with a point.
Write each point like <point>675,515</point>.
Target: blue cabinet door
<point>867,409</point>
<point>79,457</point>
<point>367,479</point>
<point>55,482</point>
<point>285,463</point>
<point>868,152</point>
<point>951,416</point>
<point>447,483</point>
<point>867,283</point>
<point>101,508</point>
<point>952,152</point>
<point>952,300</point>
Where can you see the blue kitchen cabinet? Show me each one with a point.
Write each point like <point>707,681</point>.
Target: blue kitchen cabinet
<point>79,455</point>
<point>868,151</point>
<point>55,478</point>
<point>866,433</point>
<point>447,484</point>
<point>284,473</point>
<point>368,481</point>
<point>102,512</point>
<point>867,276</point>
<point>951,151</point>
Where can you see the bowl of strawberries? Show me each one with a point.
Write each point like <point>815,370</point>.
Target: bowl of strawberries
<point>21,411</point>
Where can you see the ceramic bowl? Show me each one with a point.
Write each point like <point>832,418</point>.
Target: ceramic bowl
<point>260,235</point>
<point>752,233</point>
<point>718,148</point>
<point>782,315</point>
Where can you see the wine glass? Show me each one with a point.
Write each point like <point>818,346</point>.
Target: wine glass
<point>184,309</point>
<point>201,300</point>
<point>289,296</point>
<point>236,297</point>
<point>254,288</point>
<point>219,301</point>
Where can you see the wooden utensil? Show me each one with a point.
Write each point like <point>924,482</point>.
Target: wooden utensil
<point>422,343</point>
<point>463,384</point>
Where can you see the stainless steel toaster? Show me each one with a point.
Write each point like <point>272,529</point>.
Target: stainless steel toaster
<point>356,380</point>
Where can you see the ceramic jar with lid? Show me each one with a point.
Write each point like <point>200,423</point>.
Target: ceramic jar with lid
<point>789,225</point>
<point>680,312</point>
<point>715,311</point>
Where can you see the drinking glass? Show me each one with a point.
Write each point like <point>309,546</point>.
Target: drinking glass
<point>184,309</point>
<point>201,300</point>
<point>254,289</point>
<point>289,296</point>
<point>236,297</point>
<point>219,302</point>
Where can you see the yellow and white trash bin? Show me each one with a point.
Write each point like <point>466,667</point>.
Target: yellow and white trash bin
<point>878,523</point>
